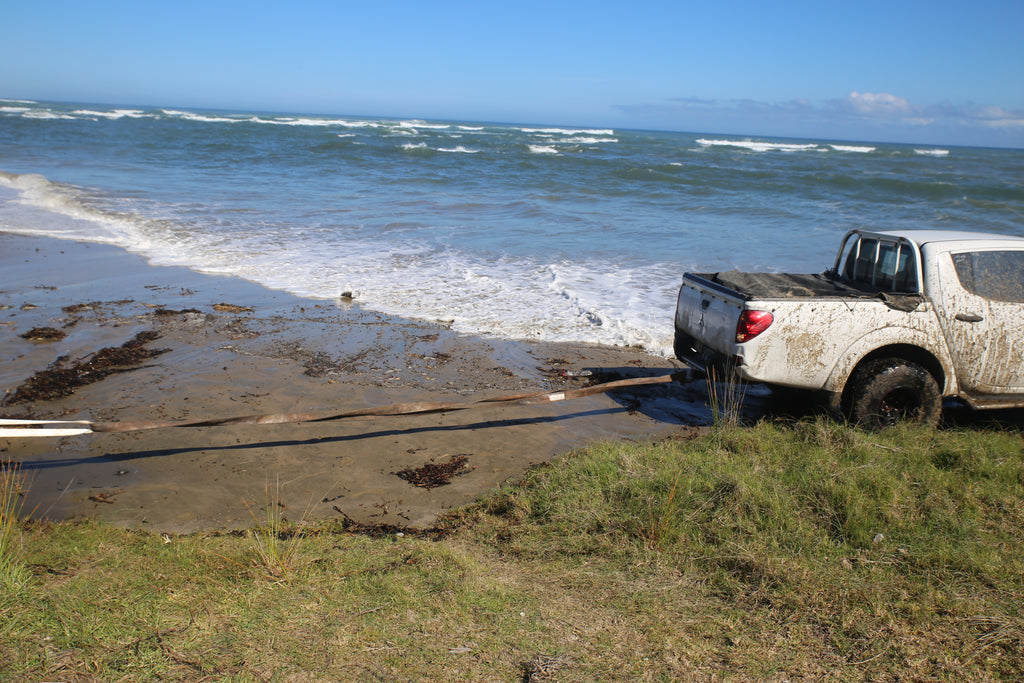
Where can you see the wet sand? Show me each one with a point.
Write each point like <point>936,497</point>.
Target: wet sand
<point>271,352</point>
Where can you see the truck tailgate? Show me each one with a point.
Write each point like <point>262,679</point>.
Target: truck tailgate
<point>708,312</point>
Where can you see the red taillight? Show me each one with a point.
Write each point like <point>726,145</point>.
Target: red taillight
<point>751,324</point>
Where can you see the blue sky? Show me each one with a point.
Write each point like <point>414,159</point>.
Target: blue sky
<point>900,71</point>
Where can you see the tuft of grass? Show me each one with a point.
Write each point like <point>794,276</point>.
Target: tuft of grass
<point>725,399</point>
<point>278,543</point>
<point>13,573</point>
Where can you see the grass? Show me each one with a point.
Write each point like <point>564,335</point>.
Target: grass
<point>775,552</point>
<point>725,399</point>
<point>13,574</point>
<point>278,543</point>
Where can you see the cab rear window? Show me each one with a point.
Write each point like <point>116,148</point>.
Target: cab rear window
<point>996,275</point>
<point>890,266</point>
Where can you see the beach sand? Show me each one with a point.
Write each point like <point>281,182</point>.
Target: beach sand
<point>271,352</point>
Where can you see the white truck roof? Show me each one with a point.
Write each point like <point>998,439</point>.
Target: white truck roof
<point>920,237</point>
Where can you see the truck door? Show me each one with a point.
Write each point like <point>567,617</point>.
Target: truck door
<point>982,315</point>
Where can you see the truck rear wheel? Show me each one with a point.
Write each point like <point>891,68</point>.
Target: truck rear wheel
<point>887,391</point>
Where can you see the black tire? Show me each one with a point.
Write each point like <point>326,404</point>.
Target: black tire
<point>887,391</point>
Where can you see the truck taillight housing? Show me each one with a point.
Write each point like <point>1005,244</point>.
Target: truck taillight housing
<point>751,324</point>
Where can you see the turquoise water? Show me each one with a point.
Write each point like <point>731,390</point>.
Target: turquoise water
<point>519,231</point>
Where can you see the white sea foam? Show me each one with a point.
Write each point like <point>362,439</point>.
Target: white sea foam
<point>519,299</point>
<point>315,122</point>
<point>112,115</point>
<point>852,148</point>
<point>423,124</point>
<point>14,110</point>
<point>760,146</point>
<point>203,118</point>
<point>932,152</point>
<point>60,211</point>
<point>360,124</point>
<point>543,149</point>
<point>312,122</point>
<point>587,140</point>
<point>47,115</point>
<point>471,128</point>
<point>460,149</point>
<point>569,131</point>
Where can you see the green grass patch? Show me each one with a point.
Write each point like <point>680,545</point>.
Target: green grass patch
<point>765,553</point>
<point>13,575</point>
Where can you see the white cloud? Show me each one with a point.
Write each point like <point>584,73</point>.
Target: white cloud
<point>997,117</point>
<point>879,104</point>
<point>1005,123</point>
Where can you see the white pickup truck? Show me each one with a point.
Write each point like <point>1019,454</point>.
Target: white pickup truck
<point>903,319</point>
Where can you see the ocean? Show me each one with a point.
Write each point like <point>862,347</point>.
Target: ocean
<point>555,233</point>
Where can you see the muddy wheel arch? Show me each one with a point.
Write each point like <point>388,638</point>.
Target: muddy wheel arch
<point>934,361</point>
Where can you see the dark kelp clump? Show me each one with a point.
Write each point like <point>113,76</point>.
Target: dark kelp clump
<point>44,334</point>
<point>432,475</point>
<point>61,378</point>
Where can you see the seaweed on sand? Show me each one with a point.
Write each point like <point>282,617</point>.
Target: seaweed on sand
<point>61,378</point>
<point>432,475</point>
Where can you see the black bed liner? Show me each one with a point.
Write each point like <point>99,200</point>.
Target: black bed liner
<point>792,285</point>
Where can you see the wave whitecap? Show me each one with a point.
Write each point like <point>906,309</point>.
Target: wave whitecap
<point>457,150</point>
<point>423,124</point>
<point>853,148</point>
<point>111,115</point>
<point>760,146</point>
<point>569,131</point>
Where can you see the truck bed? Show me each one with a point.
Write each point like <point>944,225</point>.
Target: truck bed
<point>787,285</point>
<point>797,285</point>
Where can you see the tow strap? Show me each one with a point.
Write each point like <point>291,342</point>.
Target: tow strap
<point>41,428</point>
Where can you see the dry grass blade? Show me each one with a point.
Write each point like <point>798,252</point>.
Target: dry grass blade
<point>278,543</point>
<point>725,399</point>
<point>999,631</point>
<point>541,667</point>
<point>13,572</point>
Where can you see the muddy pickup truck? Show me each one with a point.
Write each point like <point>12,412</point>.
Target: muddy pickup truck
<point>902,320</point>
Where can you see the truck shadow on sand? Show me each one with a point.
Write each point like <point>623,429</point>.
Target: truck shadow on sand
<point>698,401</point>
